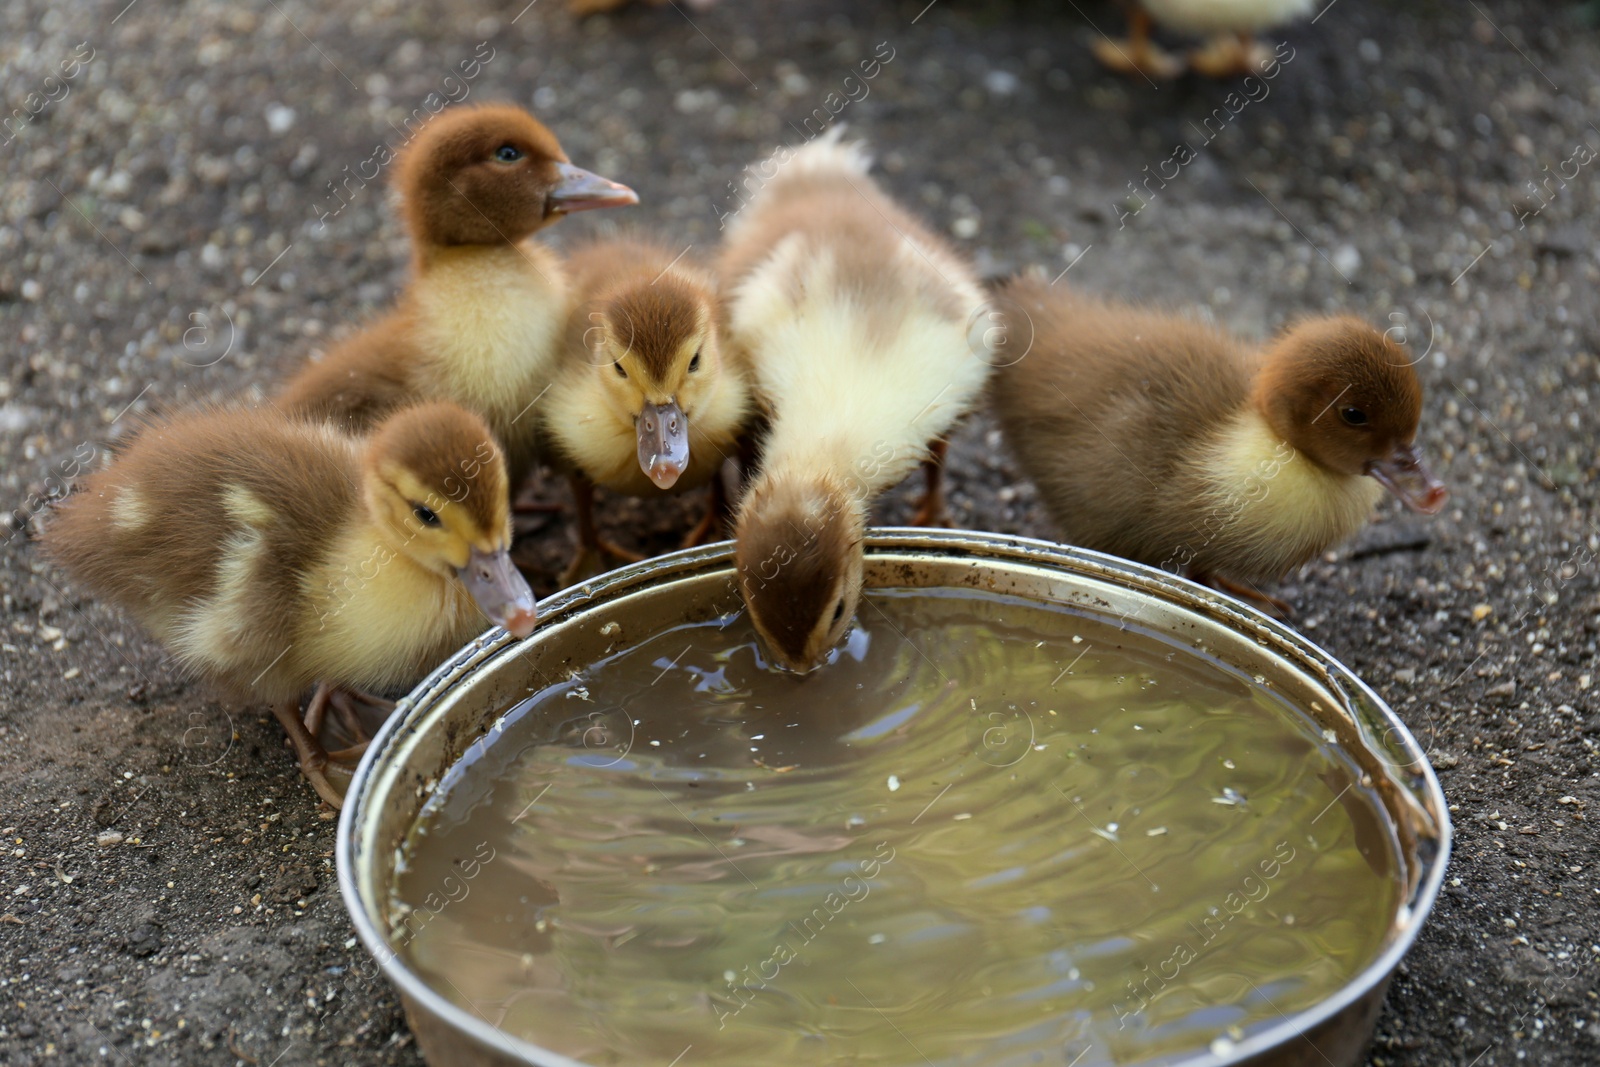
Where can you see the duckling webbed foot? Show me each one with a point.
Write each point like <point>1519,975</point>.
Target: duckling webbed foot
<point>585,563</point>
<point>704,531</point>
<point>1230,55</point>
<point>1265,603</point>
<point>597,558</point>
<point>314,763</point>
<point>1138,54</point>
<point>711,523</point>
<point>592,548</point>
<point>340,718</point>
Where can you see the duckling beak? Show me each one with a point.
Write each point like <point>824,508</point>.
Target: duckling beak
<point>663,442</point>
<point>1403,474</point>
<point>582,190</point>
<point>500,590</point>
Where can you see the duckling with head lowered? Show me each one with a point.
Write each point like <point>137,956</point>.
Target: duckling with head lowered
<point>1169,442</point>
<point>858,328</point>
<point>269,554</point>
<point>644,403</point>
<point>481,318</point>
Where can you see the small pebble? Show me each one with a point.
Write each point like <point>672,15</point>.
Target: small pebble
<point>279,118</point>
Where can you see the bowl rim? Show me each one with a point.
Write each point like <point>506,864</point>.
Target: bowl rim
<point>1420,779</point>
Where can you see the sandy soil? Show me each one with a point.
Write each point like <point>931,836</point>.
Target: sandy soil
<point>167,893</point>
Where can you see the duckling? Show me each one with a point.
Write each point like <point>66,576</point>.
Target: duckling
<point>584,8</point>
<point>857,325</point>
<point>480,320</point>
<point>644,404</point>
<point>268,554</point>
<point>1169,442</point>
<point>1229,25</point>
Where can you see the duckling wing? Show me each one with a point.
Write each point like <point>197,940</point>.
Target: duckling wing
<point>361,381</point>
<point>1111,410</point>
<point>853,319</point>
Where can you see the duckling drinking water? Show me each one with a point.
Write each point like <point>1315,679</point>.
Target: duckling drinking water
<point>857,325</point>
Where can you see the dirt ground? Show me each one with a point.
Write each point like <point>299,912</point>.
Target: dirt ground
<point>167,892</point>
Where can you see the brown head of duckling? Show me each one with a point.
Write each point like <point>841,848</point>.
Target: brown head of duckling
<point>657,352</point>
<point>799,563</point>
<point>435,481</point>
<point>1347,397</point>
<point>493,174</point>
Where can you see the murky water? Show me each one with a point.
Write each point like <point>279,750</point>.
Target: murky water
<point>988,833</point>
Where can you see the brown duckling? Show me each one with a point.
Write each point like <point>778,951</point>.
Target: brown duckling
<point>480,320</point>
<point>645,403</point>
<point>1170,442</point>
<point>269,554</point>
<point>860,332</point>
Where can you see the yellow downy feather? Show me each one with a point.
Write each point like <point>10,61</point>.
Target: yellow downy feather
<point>475,305</point>
<point>1276,504</point>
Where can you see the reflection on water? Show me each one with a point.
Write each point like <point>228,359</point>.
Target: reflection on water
<point>987,833</point>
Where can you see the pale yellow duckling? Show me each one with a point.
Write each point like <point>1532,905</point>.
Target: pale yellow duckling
<point>480,321</point>
<point>1166,441</point>
<point>269,554</point>
<point>864,340</point>
<point>645,403</point>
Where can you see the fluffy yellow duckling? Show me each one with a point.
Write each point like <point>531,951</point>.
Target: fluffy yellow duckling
<point>1229,26</point>
<point>1169,442</point>
<point>645,403</point>
<point>269,554</point>
<point>860,331</point>
<point>480,321</point>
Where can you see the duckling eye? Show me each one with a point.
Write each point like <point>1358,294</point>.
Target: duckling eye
<point>617,366</point>
<point>424,515</point>
<point>508,153</point>
<point>838,612</point>
<point>694,364</point>
<point>1353,416</point>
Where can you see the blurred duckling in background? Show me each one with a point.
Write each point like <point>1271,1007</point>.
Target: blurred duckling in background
<point>855,322</point>
<point>269,554</point>
<point>644,404</point>
<point>1230,27</point>
<point>583,8</point>
<point>1169,442</point>
<point>480,320</point>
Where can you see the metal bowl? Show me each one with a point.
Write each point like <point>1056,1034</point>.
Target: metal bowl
<point>457,706</point>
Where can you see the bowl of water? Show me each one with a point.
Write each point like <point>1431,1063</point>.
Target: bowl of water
<point>1041,806</point>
